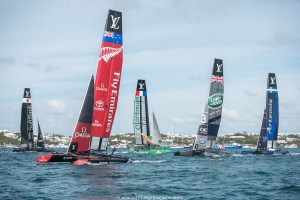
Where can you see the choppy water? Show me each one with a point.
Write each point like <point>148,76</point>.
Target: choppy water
<point>153,177</point>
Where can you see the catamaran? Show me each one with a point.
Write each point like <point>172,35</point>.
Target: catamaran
<point>204,143</point>
<point>27,140</point>
<point>93,128</point>
<point>145,144</point>
<point>267,141</point>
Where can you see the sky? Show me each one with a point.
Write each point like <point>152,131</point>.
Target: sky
<point>52,47</point>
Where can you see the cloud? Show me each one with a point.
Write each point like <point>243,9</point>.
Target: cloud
<point>56,107</point>
<point>7,60</point>
<point>231,114</point>
<point>280,39</point>
<point>250,94</point>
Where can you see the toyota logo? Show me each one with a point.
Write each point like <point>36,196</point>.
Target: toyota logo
<point>99,104</point>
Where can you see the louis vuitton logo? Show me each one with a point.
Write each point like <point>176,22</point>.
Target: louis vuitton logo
<point>219,67</point>
<point>272,80</point>
<point>115,20</point>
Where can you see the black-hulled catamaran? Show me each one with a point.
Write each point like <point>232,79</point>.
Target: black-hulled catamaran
<point>90,137</point>
<point>26,128</point>
<point>204,144</point>
<point>267,141</point>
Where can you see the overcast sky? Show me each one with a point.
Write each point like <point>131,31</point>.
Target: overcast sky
<point>52,47</point>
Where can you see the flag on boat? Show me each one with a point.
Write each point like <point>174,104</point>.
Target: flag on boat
<point>141,93</point>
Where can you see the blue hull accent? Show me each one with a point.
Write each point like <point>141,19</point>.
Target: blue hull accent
<point>265,152</point>
<point>233,147</point>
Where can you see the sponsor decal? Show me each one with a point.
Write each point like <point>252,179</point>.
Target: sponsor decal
<point>141,86</point>
<point>29,120</point>
<point>83,133</point>
<point>215,101</point>
<point>67,158</point>
<point>27,94</point>
<point>102,88</point>
<point>113,100</point>
<point>99,105</point>
<point>96,123</point>
<point>203,130</point>
<point>73,148</point>
<point>137,114</point>
<point>202,141</point>
<point>115,21</point>
<point>42,159</point>
<point>219,67</point>
<point>270,104</point>
<point>272,79</point>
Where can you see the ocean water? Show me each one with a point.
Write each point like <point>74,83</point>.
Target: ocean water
<point>153,177</point>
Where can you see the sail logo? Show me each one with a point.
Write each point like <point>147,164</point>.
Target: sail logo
<point>83,134</point>
<point>27,94</point>
<point>113,100</point>
<point>270,105</point>
<point>42,159</point>
<point>102,88</point>
<point>273,79</point>
<point>96,123</point>
<point>108,52</point>
<point>141,86</point>
<point>29,120</point>
<point>215,101</point>
<point>219,67</point>
<point>73,147</point>
<point>99,105</point>
<point>115,20</point>
<point>137,114</point>
<point>202,141</point>
<point>203,130</point>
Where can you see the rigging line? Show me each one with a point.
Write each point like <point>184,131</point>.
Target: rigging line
<point>97,57</point>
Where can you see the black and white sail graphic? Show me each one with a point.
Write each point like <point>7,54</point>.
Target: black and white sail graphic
<point>211,117</point>
<point>26,121</point>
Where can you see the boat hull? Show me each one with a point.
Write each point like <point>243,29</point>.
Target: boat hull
<point>151,151</point>
<point>233,147</point>
<point>33,150</point>
<point>64,157</point>
<point>108,160</point>
<point>58,157</point>
<point>206,153</point>
<point>265,152</point>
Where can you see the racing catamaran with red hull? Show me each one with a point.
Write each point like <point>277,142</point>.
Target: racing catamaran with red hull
<point>90,137</point>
